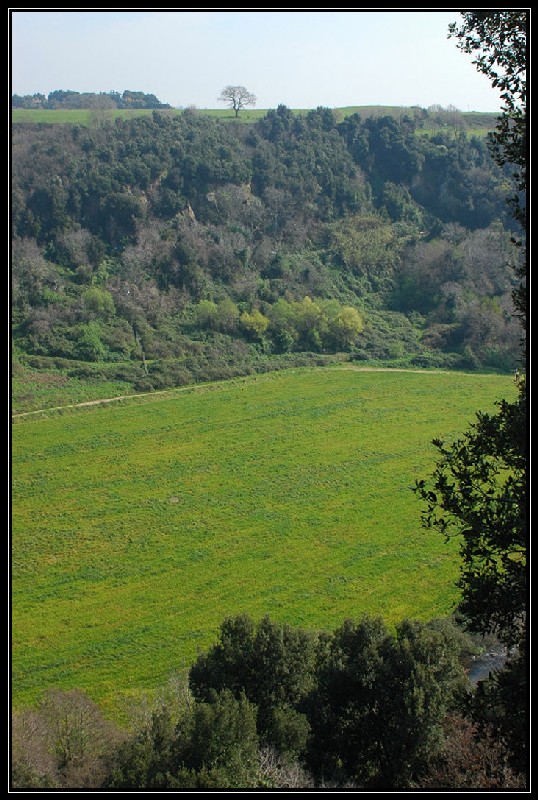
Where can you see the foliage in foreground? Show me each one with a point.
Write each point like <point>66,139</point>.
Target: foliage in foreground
<point>271,706</point>
<point>478,494</point>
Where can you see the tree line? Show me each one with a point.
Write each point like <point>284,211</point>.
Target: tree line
<point>271,705</point>
<point>68,99</point>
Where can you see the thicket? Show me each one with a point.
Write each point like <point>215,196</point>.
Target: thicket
<point>166,239</point>
<point>275,706</point>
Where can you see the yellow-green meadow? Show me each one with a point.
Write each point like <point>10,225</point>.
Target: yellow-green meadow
<point>138,525</point>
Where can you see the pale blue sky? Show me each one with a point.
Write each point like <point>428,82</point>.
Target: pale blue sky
<point>302,58</point>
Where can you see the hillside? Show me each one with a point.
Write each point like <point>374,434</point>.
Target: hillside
<point>167,249</point>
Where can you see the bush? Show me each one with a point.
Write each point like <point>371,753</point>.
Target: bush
<point>62,743</point>
<point>213,745</point>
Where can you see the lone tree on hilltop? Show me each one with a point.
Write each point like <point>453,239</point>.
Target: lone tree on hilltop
<point>237,97</point>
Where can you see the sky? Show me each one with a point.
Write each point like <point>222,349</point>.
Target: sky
<point>300,58</point>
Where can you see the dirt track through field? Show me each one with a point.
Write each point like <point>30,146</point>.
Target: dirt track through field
<point>174,390</point>
<point>95,402</point>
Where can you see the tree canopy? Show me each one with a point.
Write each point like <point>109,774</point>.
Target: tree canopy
<point>61,98</point>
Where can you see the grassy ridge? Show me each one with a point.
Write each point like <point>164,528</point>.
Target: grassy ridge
<point>476,123</point>
<point>84,116</point>
<point>138,526</point>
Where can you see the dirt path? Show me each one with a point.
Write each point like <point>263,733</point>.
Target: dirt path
<point>356,368</point>
<point>97,402</point>
<point>174,390</point>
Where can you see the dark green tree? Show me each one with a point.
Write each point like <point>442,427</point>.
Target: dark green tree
<point>213,745</point>
<point>272,664</point>
<point>218,744</point>
<point>343,709</point>
<point>377,710</point>
<point>479,494</point>
<point>145,759</point>
<point>421,682</point>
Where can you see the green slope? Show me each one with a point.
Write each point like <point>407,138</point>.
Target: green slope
<point>138,525</point>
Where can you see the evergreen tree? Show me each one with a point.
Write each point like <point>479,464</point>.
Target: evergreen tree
<point>376,712</point>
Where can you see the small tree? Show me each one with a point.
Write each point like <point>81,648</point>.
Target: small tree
<point>206,313</point>
<point>212,744</point>
<point>62,743</point>
<point>273,664</point>
<point>311,322</point>
<point>227,315</point>
<point>346,326</point>
<point>237,97</point>
<point>97,302</point>
<point>255,324</point>
<point>218,745</point>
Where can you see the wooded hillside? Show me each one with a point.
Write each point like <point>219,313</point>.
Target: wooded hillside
<point>169,248</point>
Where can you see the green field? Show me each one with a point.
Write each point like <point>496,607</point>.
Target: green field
<point>79,116</point>
<point>476,123</point>
<point>85,116</point>
<point>46,388</point>
<point>138,525</point>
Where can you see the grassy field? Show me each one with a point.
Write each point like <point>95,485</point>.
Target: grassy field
<point>46,388</point>
<point>138,525</point>
<point>85,116</point>
<point>75,116</point>
<point>476,123</point>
